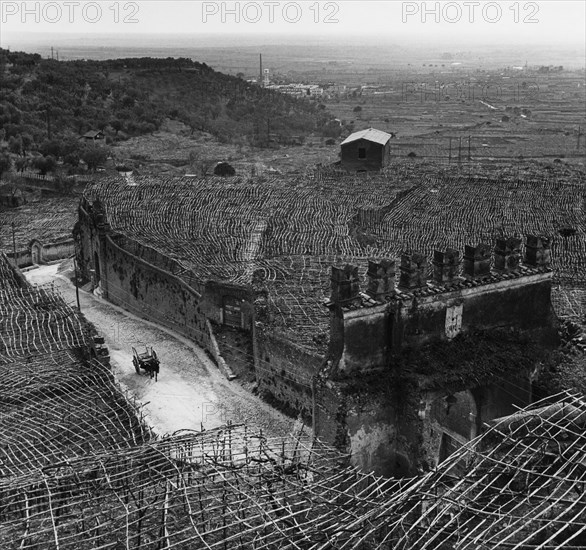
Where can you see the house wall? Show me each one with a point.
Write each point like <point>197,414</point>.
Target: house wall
<point>395,429</point>
<point>284,372</point>
<point>141,280</point>
<point>48,253</point>
<point>524,303</point>
<point>151,292</point>
<point>396,423</point>
<point>86,239</point>
<point>372,424</point>
<point>376,155</point>
<point>365,341</point>
<point>217,295</point>
<point>364,338</point>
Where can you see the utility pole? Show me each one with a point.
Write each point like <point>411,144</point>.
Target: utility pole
<point>469,138</point>
<point>76,283</point>
<point>579,135</point>
<point>460,151</point>
<point>450,152</point>
<point>13,244</point>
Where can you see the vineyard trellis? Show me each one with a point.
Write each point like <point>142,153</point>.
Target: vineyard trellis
<point>46,219</point>
<point>79,469</point>
<point>204,228</point>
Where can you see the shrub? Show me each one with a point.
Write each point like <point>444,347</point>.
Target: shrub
<point>224,169</point>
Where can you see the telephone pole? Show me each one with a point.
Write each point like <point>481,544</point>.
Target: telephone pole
<point>76,283</point>
<point>13,244</point>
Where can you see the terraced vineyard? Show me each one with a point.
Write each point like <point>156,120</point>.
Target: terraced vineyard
<point>55,403</point>
<point>36,321</point>
<point>456,212</point>
<point>288,232</point>
<point>48,219</point>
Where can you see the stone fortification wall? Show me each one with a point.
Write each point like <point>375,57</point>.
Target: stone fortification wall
<point>151,292</point>
<point>415,369</point>
<point>285,372</point>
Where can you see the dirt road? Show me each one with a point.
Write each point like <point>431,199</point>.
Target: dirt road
<point>190,392</point>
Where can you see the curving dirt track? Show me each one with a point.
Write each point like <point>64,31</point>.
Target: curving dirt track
<point>190,393</point>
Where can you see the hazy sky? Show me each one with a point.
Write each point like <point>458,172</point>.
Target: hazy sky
<point>476,20</point>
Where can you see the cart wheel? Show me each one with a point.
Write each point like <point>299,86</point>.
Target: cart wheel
<point>136,367</point>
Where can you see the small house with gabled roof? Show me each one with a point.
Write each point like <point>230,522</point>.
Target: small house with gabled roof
<point>366,150</point>
<point>93,135</point>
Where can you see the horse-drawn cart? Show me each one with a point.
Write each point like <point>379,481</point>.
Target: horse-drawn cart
<point>148,361</point>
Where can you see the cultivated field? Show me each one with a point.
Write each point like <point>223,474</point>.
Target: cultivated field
<point>487,116</point>
<point>286,233</point>
<point>55,403</point>
<point>46,219</point>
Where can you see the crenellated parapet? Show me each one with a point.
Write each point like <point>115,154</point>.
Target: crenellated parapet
<point>507,254</point>
<point>449,270</point>
<point>477,260</point>
<point>451,343</point>
<point>345,284</point>
<point>538,251</point>
<point>488,289</point>
<point>414,270</point>
<point>381,278</point>
<point>446,265</point>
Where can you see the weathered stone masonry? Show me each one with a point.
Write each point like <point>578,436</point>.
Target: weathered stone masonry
<point>137,278</point>
<point>147,283</point>
<point>415,370</point>
<point>414,366</point>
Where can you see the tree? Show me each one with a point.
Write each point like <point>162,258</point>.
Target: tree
<point>72,159</point>
<point>116,125</point>
<point>51,147</point>
<point>200,164</point>
<point>27,142</point>
<point>205,165</point>
<point>45,164</point>
<point>15,145</point>
<point>21,163</point>
<point>5,163</point>
<point>94,156</point>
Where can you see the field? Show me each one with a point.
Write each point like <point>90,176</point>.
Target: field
<point>286,233</point>
<point>174,150</point>
<point>488,117</point>
<point>47,219</point>
<point>56,402</point>
<point>497,149</point>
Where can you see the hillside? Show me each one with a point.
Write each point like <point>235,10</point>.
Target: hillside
<point>44,99</point>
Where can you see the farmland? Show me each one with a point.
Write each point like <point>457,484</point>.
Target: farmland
<point>46,219</point>
<point>287,232</point>
<point>56,402</point>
